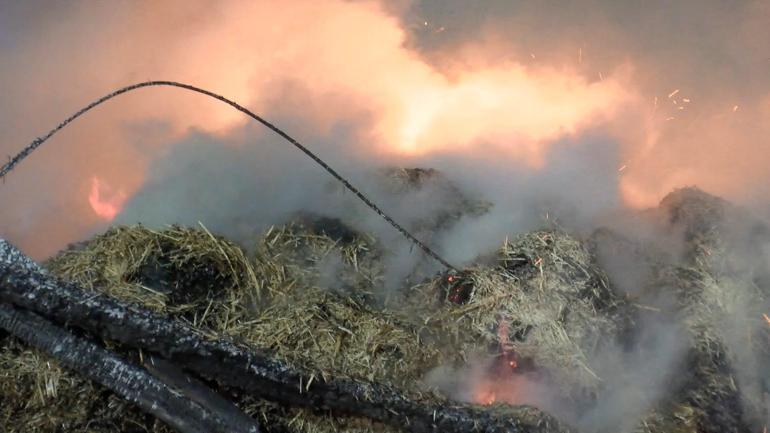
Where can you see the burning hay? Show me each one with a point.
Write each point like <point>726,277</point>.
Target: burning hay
<point>710,284</point>
<point>721,296</point>
<point>301,323</point>
<point>543,309</point>
<point>537,315</point>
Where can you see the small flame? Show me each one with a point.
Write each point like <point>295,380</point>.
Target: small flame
<point>485,396</point>
<point>105,207</point>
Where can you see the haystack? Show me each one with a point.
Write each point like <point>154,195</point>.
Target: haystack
<point>541,305</point>
<point>275,301</point>
<point>543,302</point>
<point>722,298</point>
<point>714,287</point>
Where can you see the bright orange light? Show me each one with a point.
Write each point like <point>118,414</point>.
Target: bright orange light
<point>484,98</point>
<point>510,110</point>
<point>105,207</point>
<point>484,396</point>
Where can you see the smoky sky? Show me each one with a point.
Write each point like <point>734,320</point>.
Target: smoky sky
<point>180,159</point>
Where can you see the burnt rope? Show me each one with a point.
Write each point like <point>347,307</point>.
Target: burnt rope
<point>40,140</point>
<point>132,383</point>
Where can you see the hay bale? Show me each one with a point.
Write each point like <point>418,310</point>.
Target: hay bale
<point>302,254</point>
<point>545,301</point>
<point>715,287</point>
<point>722,294</point>
<point>179,270</point>
<point>276,301</point>
<point>319,316</point>
<point>306,296</point>
<point>340,337</point>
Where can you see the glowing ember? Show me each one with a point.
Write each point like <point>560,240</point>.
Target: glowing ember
<point>459,288</point>
<point>105,207</point>
<point>485,397</point>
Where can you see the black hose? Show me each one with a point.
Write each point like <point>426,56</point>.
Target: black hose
<point>40,140</point>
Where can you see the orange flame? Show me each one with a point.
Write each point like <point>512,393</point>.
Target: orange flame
<point>485,98</point>
<point>484,396</point>
<point>105,207</point>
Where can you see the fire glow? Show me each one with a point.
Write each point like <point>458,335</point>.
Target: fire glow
<point>105,202</point>
<point>485,98</point>
<point>498,382</point>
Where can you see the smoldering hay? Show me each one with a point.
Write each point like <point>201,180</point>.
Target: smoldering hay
<point>550,118</point>
<point>543,322</point>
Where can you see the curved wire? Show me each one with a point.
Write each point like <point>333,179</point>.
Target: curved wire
<point>40,140</point>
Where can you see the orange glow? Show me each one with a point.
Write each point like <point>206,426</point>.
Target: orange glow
<point>509,110</point>
<point>327,63</point>
<point>484,397</point>
<point>492,389</point>
<point>105,207</point>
